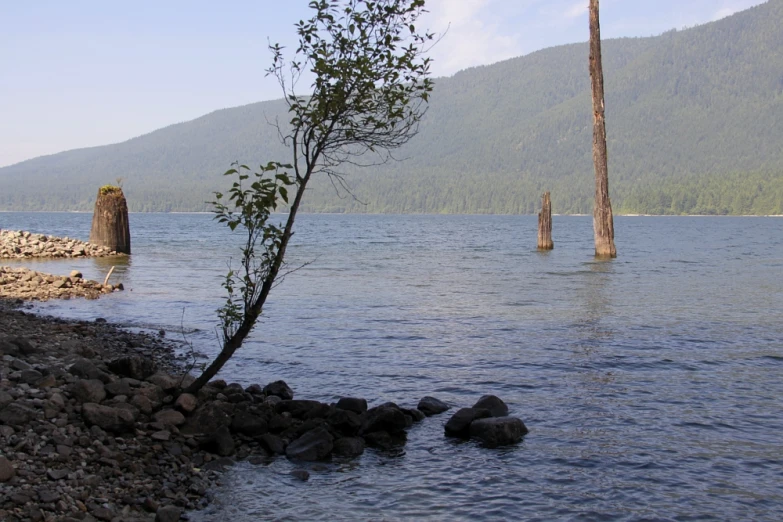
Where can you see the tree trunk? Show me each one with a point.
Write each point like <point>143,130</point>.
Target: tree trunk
<point>545,224</point>
<point>110,227</point>
<point>603,221</point>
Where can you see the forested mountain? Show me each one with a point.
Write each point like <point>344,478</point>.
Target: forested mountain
<point>694,119</point>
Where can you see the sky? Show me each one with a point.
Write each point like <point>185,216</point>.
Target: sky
<point>92,72</point>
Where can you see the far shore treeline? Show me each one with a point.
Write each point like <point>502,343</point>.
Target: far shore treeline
<point>694,124</point>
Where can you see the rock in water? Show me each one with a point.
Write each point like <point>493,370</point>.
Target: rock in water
<point>492,403</point>
<point>316,444</point>
<point>432,406</point>
<point>498,431</point>
<point>459,423</point>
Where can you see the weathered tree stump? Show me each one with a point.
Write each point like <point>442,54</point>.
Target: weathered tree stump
<point>603,221</point>
<point>110,227</point>
<point>545,224</point>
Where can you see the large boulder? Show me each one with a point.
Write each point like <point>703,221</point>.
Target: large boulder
<point>221,442</point>
<point>316,444</point>
<point>492,403</point>
<point>88,390</point>
<point>186,402</point>
<point>344,422</point>
<point>353,404</point>
<point>116,420</point>
<point>169,418</point>
<point>386,441</point>
<point>459,423</point>
<point>85,369</point>
<point>7,470</point>
<point>16,414</point>
<point>133,366</point>
<point>498,431</point>
<point>386,417</point>
<point>279,389</point>
<point>431,406</point>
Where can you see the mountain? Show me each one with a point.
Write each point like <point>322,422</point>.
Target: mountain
<point>694,119</point>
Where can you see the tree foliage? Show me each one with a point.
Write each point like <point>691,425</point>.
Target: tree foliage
<point>368,95</point>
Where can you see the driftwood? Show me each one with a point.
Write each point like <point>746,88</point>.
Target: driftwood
<point>603,221</point>
<point>106,281</point>
<point>110,227</point>
<point>545,224</point>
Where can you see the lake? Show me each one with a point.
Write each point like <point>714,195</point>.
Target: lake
<point>652,384</point>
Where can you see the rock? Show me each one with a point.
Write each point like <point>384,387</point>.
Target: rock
<point>345,422</point>
<point>7,470</point>
<point>169,418</point>
<point>221,442</point>
<point>76,274</point>
<point>255,389</point>
<point>272,443</point>
<point>432,406</point>
<point>16,414</point>
<point>386,417</point>
<point>46,496</point>
<point>279,389</point>
<point>301,409</point>
<point>385,440</point>
<point>116,420</point>
<point>162,435</point>
<point>133,366</point>
<point>186,402</point>
<point>30,376</point>
<point>498,431</point>
<point>5,399</point>
<point>349,447</point>
<point>87,370</point>
<point>301,474</point>
<point>88,390</point>
<point>142,403</point>
<point>414,413</point>
<point>121,387</point>
<point>57,474</point>
<point>249,424</point>
<point>353,404</point>
<point>165,381</point>
<point>209,417</point>
<point>168,514</point>
<point>459,423</point>
<point>316,444</point>
<point>102,513</point>
<point>496,407</point>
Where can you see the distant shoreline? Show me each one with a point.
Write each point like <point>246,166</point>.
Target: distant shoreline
<point>411,214</point>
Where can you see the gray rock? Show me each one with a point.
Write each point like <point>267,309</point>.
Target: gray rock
<point>316,444</point>
<point>459,423</point>
<point>46,496</point>
<point>30,376</point>
<point>386,417</point>
<point>208,418</point>
<point>87,370</point>
<point>7,470</point>
<point>353,404</point>
<point>498,431</point>
<point>221,442</point>
<point>345,422</point>
<point>88,390</point>
<point>496,407</point>
<point>121,387</point>
<point>16,414</point>
<point>57,474</point>
<point>349,447</point>
<point>386,441</point>
<point>186,402</point>
<point>302,409</point>
<point>168,514</point>
<point>279,389</point>
<point>301,474</point>
<point>165,381</point>
<point>169,418</point>
<point>116,420</point>
<point>5,399</point>
<point>432,406</point>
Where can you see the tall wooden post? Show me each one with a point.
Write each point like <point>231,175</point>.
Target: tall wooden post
<point>545,224</point>
<point>110,227</point>
<point>603,221</point>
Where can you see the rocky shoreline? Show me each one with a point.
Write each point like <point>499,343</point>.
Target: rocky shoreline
<point>23,283</point>
<point>19,244</point>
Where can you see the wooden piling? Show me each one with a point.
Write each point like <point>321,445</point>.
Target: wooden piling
<point>545,224</point>
<point>110,226</point>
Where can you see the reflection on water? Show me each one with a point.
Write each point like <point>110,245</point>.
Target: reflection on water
<point>650,383</point>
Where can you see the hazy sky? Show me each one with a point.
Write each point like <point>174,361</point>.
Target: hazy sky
<point>82,73</point>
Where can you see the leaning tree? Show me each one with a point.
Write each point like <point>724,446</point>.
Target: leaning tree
<point>369,92</point>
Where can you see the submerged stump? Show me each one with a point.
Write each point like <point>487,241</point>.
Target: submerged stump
<point>545,224</point>
<point>110,226</point>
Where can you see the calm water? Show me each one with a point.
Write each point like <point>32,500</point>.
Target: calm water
<point>652,384</point>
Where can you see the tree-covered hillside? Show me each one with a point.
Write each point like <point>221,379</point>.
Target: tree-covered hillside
<point>694,121</point>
